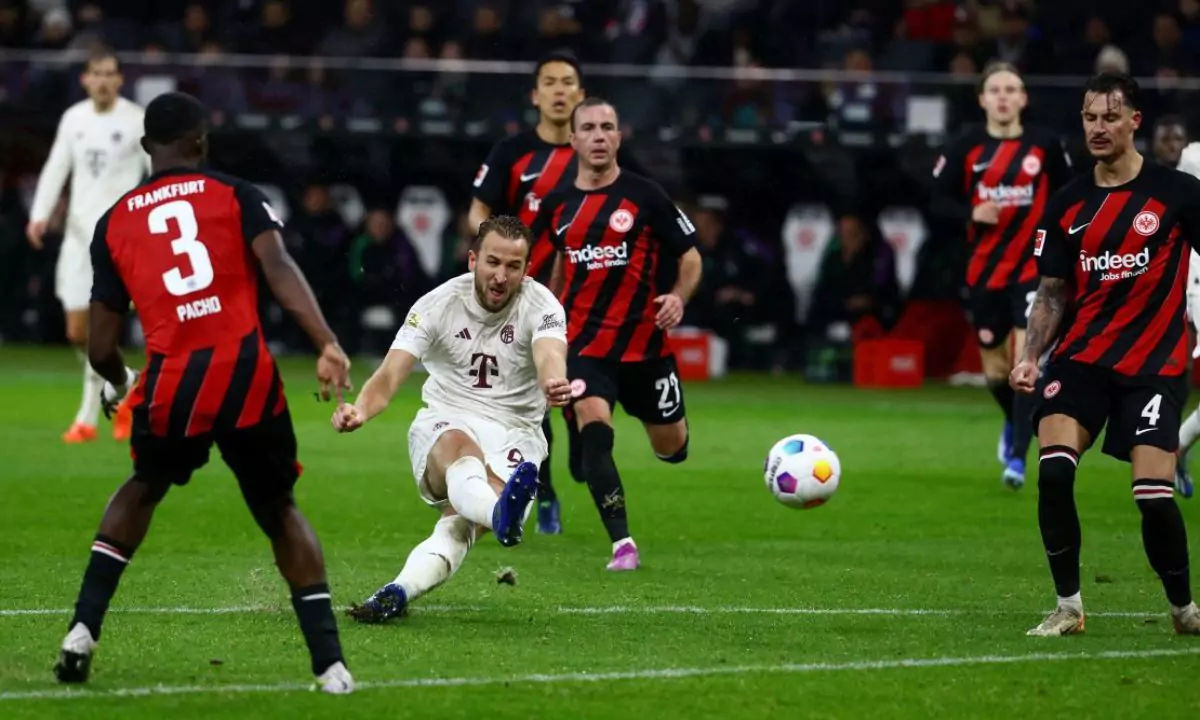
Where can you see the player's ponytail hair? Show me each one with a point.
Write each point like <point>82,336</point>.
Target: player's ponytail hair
<point>997,66</point>
<point>506,226</point>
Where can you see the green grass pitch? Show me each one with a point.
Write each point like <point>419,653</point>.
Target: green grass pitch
<point>908,595</point>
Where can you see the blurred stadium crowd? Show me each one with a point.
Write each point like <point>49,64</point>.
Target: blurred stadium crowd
<point>799,133</point>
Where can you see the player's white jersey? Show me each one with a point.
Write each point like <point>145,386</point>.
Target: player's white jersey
<point>103,155</point>
<point>479,361</point>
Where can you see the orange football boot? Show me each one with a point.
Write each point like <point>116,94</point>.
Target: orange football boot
<point>123,421</point>
<point>79,433</point>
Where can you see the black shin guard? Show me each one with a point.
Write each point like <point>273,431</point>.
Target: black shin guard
<point>600,472</point>
<point>1164,537</point>
<point>105,567</point>
<point>1058,518</point>
<point>545,488</point>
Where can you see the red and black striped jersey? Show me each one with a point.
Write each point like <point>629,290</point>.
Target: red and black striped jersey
<point>620,246</point>
<point>1017,174</point>
<point>519,172</point>
<point>179,248</point>
<point>1125,250</point>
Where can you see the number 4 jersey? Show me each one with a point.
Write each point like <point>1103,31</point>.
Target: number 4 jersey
<point>178,248</point>
<point>481,362</point>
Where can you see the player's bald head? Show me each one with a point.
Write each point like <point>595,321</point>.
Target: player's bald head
<point>176,120</point>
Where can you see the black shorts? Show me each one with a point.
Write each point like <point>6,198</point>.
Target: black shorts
<point>262,457</point>
<point>649,390</point>
<point>994,313</point>
<point>1139,410</point>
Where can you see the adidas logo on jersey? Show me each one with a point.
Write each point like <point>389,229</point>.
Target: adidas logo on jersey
<point>1132,264</point>
<point>463,334</point>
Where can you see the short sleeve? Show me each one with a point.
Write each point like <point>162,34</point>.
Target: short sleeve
<point>108,288</point>
<point>417,333</point>
<point>489,185</point>
<point>1050,243</point>
<point>547,319</point>
<point>671,225</point>
<point>258,216</point>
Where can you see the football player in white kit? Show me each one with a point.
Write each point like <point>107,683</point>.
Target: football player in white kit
<point>97,144</point>
<point>494,343</point>
<point>1189,430</point>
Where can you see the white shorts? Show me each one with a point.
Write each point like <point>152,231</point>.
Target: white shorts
<point>503,447</point>
<point>73,274</point>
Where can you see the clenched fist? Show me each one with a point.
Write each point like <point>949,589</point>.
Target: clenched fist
<point>558,391</point>
<point>347,418</point>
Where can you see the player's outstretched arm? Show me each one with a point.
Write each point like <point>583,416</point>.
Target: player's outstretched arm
<point>1049,307</point>
<point>377,393</point>
<point>294,294</point>
<point>104,350</point>
<point>670,310</point>
<point>49,186</point>
<point>104,355</point>
<point>291,289</point>
<point>550,359</point>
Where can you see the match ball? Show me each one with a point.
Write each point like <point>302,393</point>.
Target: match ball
<point>802,472</point>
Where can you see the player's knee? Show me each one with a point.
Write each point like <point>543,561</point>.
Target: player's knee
<point>151,491</point>
<point>270,511</point>
<point>596,445</point>
<point>1056,470</point>
<point>678,456</point>
<point>76,335</point>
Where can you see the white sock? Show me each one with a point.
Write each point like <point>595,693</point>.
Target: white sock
<point>1075,602</point>
<point>89,404</point>
<point>1189,431</point>
<point>437,558</point>
<point>470,494</point>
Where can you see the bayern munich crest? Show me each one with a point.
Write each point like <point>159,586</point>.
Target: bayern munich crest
<point>506,334</point>
<point>621,220</point>
<point>1031,165</point>
<point>1052,389</point>
<point>1146,223</point>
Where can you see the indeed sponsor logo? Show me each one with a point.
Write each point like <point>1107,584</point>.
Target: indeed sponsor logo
<point>599,257</point>
<point>1006,195</point>
<point>1130,264</point>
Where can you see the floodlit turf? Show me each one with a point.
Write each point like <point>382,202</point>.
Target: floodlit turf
<point>907,596</point>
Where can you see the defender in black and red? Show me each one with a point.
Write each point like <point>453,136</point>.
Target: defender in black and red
<point>996,181</point>
<point>1112,253</point>
<point>186,247</point>
<point>518,174</point>
<point>626,264</point>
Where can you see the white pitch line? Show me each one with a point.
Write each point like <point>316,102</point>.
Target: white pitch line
<point>588,677</point>
<point>600,610</point>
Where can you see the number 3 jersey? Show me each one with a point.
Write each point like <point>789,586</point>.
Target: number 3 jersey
<point>481,362</point>
<point>178,247</point>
